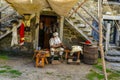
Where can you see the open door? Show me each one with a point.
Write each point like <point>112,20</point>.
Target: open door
<point>48,25</point>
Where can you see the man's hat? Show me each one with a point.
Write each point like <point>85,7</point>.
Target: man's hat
<point>55,34</point>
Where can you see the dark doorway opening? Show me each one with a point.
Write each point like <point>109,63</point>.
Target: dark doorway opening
<point>48,25</point>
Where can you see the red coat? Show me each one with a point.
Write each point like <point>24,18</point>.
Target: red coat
<point>21,32</point>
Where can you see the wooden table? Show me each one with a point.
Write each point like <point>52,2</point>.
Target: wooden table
<point>68,52</point>
<point>41,57</point>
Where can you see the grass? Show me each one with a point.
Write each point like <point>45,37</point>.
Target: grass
<point>3,71</point>
<point>3,55</point>
<point>96,73</point>
<point>7,70</point>
<point>99,67</point>
<point>6,67</point>
<point>93,75</point>
<point>16,72</point>
<point>49,73</point>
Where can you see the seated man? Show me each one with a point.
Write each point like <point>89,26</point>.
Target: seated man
<point>56,45</point>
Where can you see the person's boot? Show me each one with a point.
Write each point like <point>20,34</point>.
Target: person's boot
<point>52,58</point>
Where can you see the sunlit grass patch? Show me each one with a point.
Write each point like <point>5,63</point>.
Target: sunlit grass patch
<point>97,73</point>
<point>93,75</point>
<point>8,71</point>
<point>3,71</point>
<point>4,57</point>
<point>5,66</point>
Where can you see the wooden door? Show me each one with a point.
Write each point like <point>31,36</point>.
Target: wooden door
<point>48,22</point>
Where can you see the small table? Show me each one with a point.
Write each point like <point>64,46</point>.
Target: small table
<point>67,52</point>
<point>41,57</point>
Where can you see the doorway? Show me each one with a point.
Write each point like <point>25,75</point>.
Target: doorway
<point>48,25</point>
<point>113,30</point>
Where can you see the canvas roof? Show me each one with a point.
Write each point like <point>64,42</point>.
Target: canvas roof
<point>61,7</point>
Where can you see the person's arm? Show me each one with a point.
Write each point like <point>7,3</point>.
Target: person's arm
<point>60,43</point>
<point>52,43</point>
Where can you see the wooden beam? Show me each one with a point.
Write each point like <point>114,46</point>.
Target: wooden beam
<point>101,38</point>
<point>37,31</point>
<point>78,8</point>
<point>80,31</point>
<point>8,32</point>
<point>6,16</point>
<point>3,8</point>
<point>61,27</point>
<point>107,37</point>
<point>90,14</point>
<point>90,24</point>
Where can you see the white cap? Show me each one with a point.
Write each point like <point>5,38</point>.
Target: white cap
<point>55,34</point>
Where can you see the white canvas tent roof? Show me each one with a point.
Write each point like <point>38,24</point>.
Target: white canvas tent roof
<point>61,7</point>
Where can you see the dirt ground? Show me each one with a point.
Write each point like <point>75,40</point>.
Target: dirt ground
<point>49,72</point>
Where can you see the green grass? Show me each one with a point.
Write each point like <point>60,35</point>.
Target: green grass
<point>4,57</point>
<point>93,75</point>
<point>7,70</point>
<point>6,67</point>
<point>16,72</point>
<point>99,67</point>
<point>96,73</point>
<point>3,71</point>
<point>49,73</point>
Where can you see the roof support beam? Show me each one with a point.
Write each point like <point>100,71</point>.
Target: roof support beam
<point>90,14</point>
<point>3,8</point>
<point>75,10</point>
<point>81,16</point>
<point>6,16</point>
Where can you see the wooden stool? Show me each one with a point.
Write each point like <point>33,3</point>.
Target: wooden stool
<point>41,58</point>
<point>70,60</point>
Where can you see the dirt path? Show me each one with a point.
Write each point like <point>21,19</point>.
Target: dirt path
<point>49,72</point>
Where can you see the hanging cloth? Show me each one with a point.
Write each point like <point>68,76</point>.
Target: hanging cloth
<point>21,33</point>
<point>14,36</point>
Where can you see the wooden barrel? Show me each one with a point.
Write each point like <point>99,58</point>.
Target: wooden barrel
<point>90,54</point>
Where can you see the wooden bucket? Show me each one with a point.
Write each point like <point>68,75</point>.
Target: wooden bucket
<point>90,54</point>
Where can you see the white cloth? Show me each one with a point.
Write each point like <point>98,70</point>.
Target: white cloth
<point>54,41</point>
<point>60,50</point>
<point>55,34</point>
<point>14,36</point>
<point>76,49</point>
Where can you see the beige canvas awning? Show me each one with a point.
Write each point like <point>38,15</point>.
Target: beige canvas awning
<point>61,7</point>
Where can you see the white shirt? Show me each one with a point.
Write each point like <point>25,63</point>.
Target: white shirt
<point>54,41</point>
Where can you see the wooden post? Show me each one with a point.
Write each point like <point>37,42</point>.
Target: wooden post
<point>37,31</point>
<point>61,27</point>
<point>0,12</point>
<point>0,18</point>
<point>107,37</point>
<point>101,38</point>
